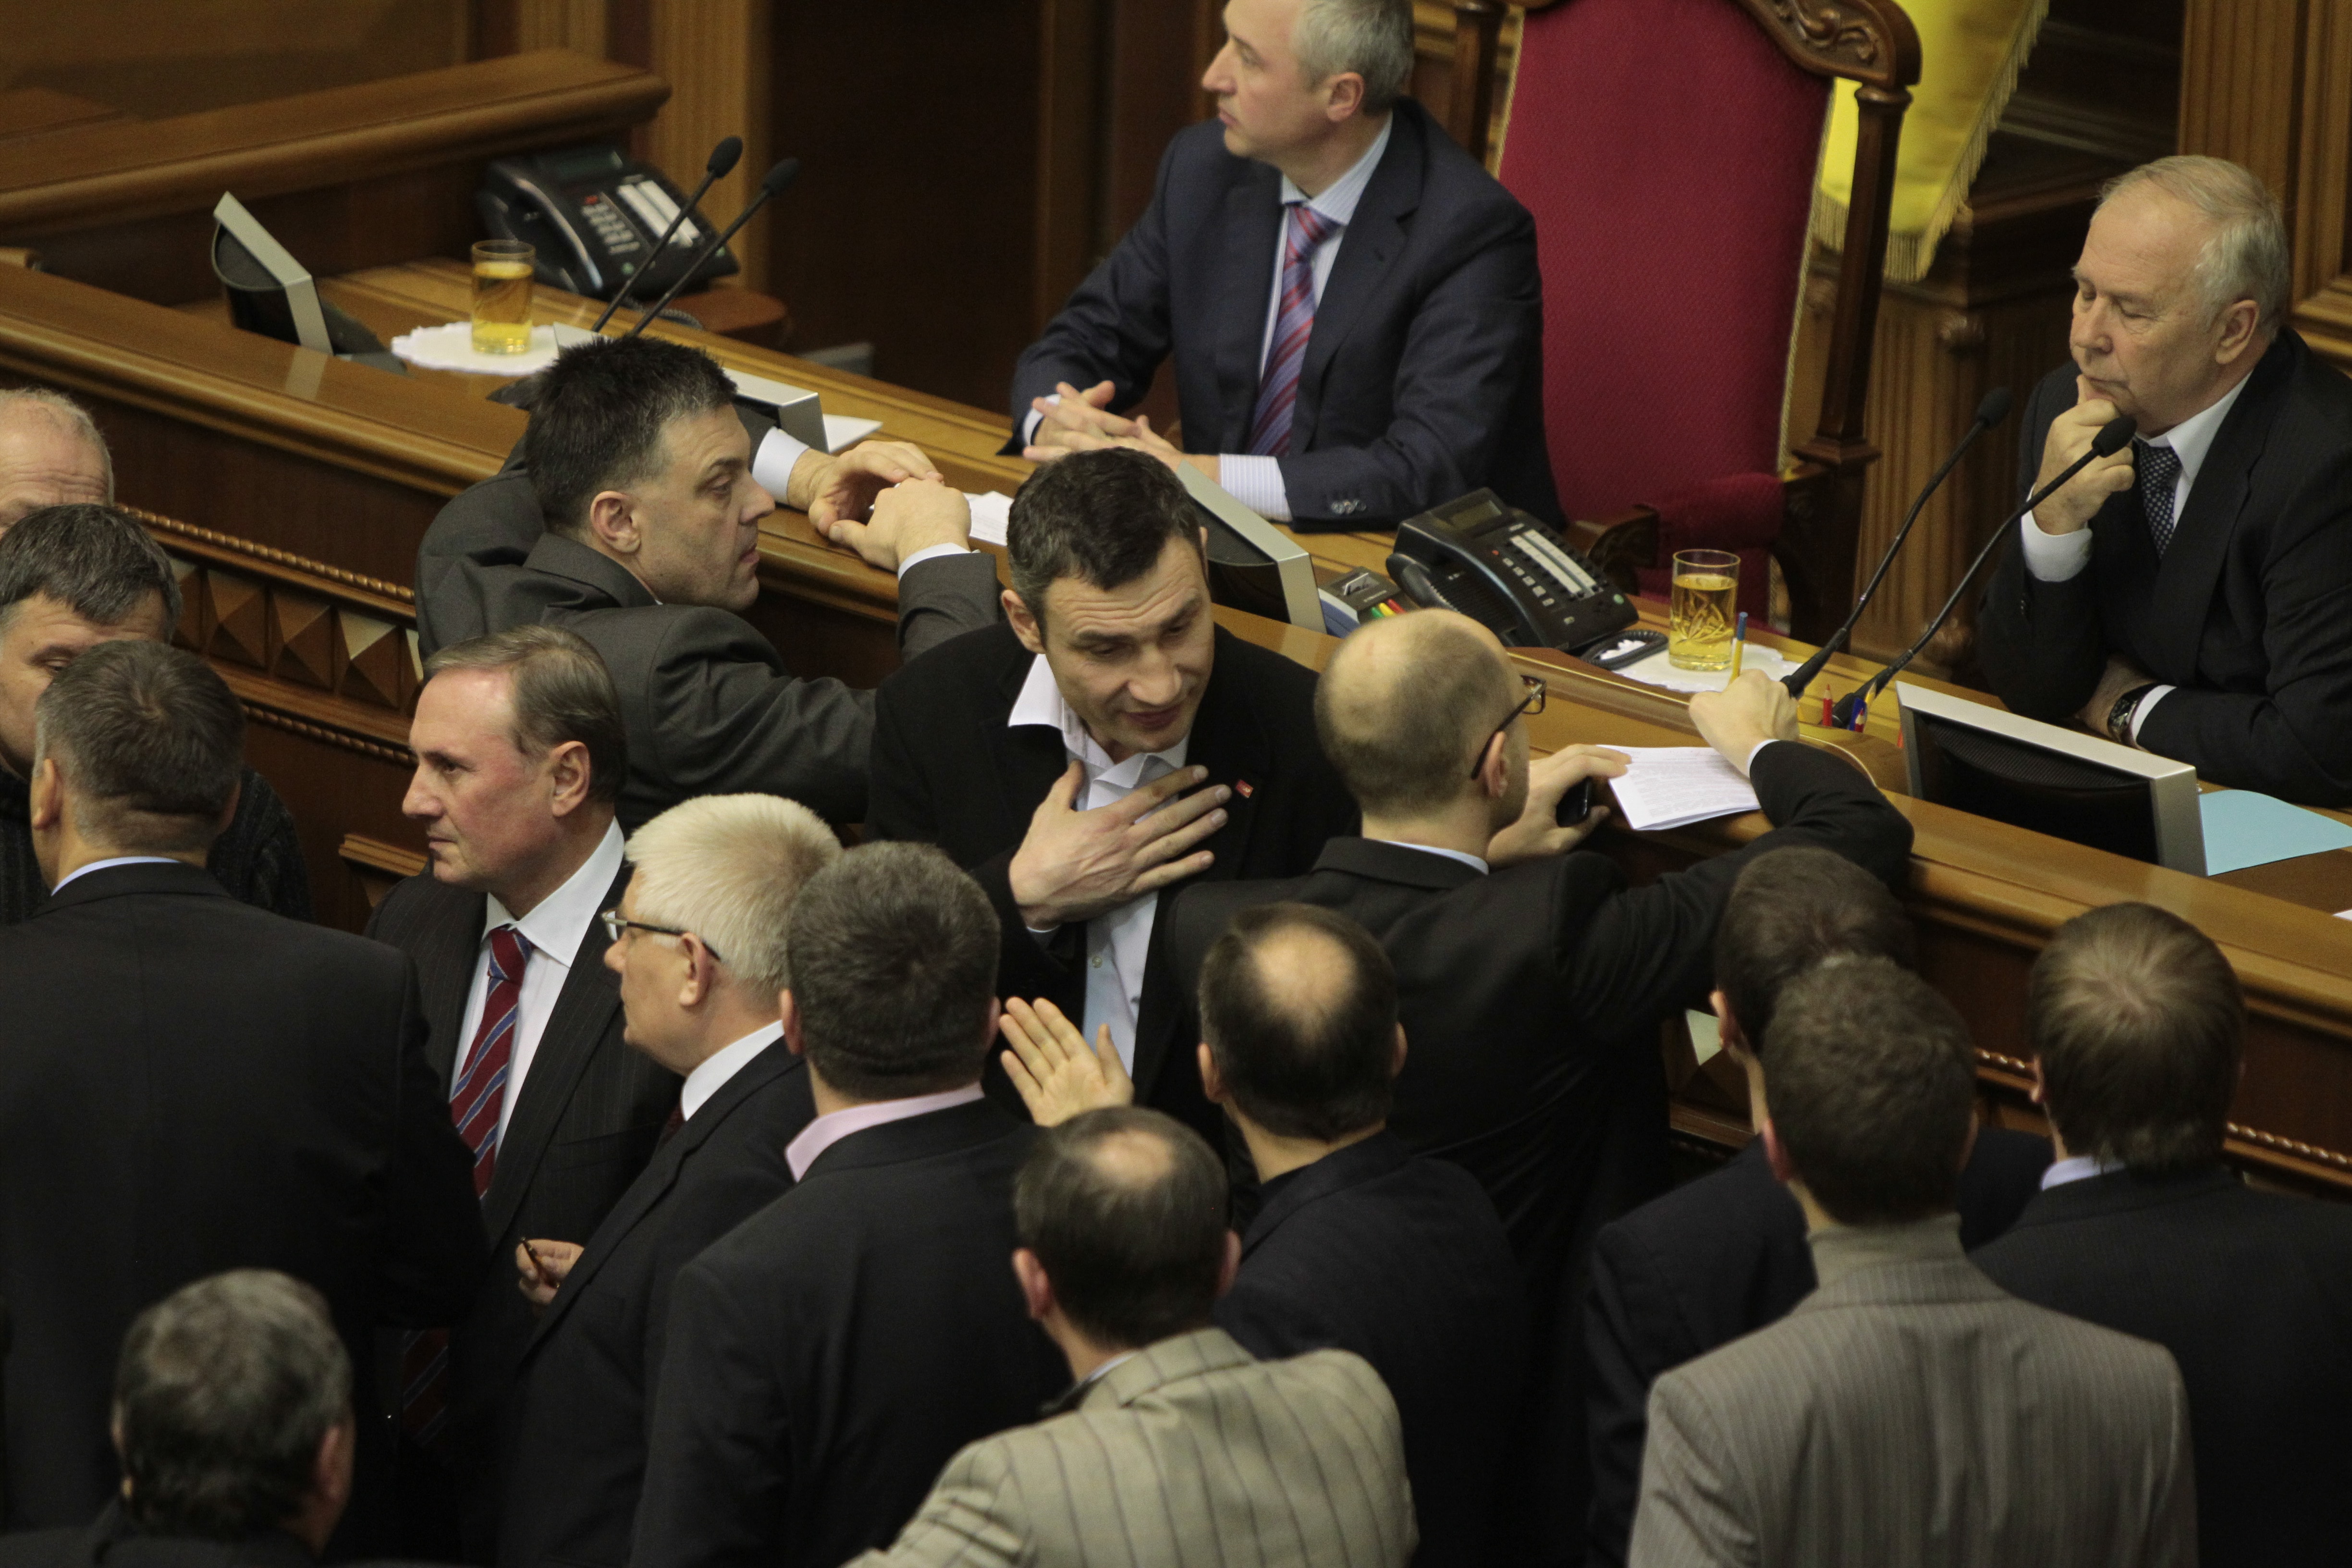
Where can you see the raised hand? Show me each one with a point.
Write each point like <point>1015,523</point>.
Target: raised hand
<point>1050,1063</point>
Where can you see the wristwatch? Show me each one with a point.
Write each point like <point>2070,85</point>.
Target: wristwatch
<point>2119,717</point>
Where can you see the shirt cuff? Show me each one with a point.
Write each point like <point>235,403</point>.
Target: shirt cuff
<point>931,552</point>
<point>2147,706</point>
<point>2054,557</point>
<point>1030,423</point>
<point>1757,750</point>
<point>773,464</point>
<point>1257,483</point>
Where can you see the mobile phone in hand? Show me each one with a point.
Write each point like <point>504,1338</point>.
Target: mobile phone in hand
<point>1576,804</point>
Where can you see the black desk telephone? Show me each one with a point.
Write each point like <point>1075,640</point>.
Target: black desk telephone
<point>1508,572</point>
<point>593,217</point>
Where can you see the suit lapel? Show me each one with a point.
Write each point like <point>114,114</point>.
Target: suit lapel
<point>583,1012</point>
<point>448,948</point>
<point>1032,757</point>
<point>1253,219</point>
<point>1374,235</point>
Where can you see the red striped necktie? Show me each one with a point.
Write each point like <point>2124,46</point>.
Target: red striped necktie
<point>1293,323</point>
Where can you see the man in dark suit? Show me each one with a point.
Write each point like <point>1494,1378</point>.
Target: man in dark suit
<point>190,1084</point>
<point>2137,1021</point>
<point>1724,1254</point>
<point>829,1356</point>
<point>72,577</point>
<point>1531,980</point>
<point>520,754</point>
<point>645,479</point>
<point>702,962</point>
<point>1351,301</point>
<point>2192,597</point>
<point>1047,757</point>
<point>233,1421</point>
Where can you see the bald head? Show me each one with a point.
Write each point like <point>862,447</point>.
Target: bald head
<point>1299,1008</point>
<point>1404,705</point>
<point>50,455</point>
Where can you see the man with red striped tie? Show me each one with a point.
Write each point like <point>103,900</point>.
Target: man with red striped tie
<point>1351,301</point>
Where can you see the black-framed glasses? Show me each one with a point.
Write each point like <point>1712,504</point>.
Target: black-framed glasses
<point>1533,702</point>
<point>616,922</point>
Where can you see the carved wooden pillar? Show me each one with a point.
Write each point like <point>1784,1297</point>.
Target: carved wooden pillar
<point>1470,106</point>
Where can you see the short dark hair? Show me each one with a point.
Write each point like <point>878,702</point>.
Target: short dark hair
<point>97,561</point>
<point>894,966</point>
<point>1791,909</point>
<point>1871,1081</point>
<point>150,741</point>
<point>2138,1021</point>
<point>1125,1208</point>
<point>224,1390</point>
<point>561,692</point>
<point>598,419</point>
<point>1303,1062</point>
<point>1405,735</point>
<point>1105,517</point>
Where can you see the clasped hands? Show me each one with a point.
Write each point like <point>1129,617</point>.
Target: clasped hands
<point>885,500</point>
<point>1078,421</point>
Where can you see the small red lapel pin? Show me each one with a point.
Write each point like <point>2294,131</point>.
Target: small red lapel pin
<point>1243,788</point>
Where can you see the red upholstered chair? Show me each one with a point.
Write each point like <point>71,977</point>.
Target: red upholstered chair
<point>1667,149</point>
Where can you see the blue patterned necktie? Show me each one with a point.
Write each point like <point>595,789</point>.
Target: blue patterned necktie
<point>1293,322</point>
<point>2160,471</point>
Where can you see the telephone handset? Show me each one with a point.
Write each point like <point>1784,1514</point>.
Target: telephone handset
<point>592,216</point>
<point>1508,572</point>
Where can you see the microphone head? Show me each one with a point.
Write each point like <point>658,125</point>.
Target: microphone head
<point>782,175</point>
<point>2114,436</point>
<point>724,157</point>
<point>1994,408</point>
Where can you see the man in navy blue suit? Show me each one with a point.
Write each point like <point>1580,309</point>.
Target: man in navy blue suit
<point>1351,301</point>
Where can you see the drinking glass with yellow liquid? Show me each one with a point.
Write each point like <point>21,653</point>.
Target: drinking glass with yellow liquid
<point>1699,629</point>
<point>503,270</point>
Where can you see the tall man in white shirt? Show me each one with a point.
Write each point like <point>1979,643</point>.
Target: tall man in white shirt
<point>1351,301</point>
<point>2192,594</point>
<point>699,941</point>
<point>520,755</point>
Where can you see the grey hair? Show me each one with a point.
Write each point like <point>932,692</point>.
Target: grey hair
<point>96,561</point>
<point>1372,38</point>
<point>65,411</point>
<point>727,867</point>
<point>2246,256</point>
<point>224,1390</point>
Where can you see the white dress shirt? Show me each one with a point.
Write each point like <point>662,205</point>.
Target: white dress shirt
<point>836,1125</point>
<point>772,470</point>
<point>554,928</point>
<point>1255,481</point>
<point>2075,1168</point>
<point>1473,861</point>
<point>2056,557</point>
<point>1118,942</point>
<point>118,860</point>
<point>722,1064</point>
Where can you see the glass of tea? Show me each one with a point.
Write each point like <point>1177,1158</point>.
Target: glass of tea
<point>1699,629</point>
<point>503,270</point>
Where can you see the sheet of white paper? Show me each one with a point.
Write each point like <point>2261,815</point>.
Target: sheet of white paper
<point>991,514</point>
<point>842,432</point>
<point>1706,1034</point>
<point>1673,787</point>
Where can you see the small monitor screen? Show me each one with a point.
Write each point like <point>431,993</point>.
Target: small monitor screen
<point>2030,786</point>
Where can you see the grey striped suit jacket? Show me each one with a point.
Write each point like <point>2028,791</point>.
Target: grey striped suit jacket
<point>1915,1413</point>
<point>1190,1454</point>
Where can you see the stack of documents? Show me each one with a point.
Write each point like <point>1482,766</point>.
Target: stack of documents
<point>1674,786</point>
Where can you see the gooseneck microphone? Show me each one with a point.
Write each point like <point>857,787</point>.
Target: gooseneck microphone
<point>777,178</point>
<point>1990,413</point>
<point>2112,438</point>
<point>722,163</point>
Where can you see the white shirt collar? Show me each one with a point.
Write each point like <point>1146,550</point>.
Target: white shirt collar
<point>2193,437</point>
<point>1338,200</point>
<point>557,924</point>
<point>118,860</point>
<point>834,1126</point>
<point>2075,1168</point>
<point>1041,702</point>
<point>1473,861</point>
<point>722,1065</point>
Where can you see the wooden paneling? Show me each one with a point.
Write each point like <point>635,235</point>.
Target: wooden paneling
<point>712,52</point>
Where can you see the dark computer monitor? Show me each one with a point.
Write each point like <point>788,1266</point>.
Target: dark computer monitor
<point>271,293</point>
<point>2070,785</point>
<point>1252,565</point>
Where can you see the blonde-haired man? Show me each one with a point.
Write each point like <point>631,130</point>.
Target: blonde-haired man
<point>699,943</point>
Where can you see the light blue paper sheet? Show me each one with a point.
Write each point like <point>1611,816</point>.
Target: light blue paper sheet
<point>2245,828</point>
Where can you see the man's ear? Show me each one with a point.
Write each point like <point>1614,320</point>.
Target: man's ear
<point>702,972</point>
<point>330,1471</point>
<point>1494,766</point>
<point>1025,624</point>
<point>1212,1082</point>
<point>1776,1154</point>
<point>1232,1264</point>
<point>613,522</point>
<point>569,776</point>
<point>788,1011</point>
<point>1396,1062</point>
<point>49,794</point>
<point>2238,324</point>
<point>2039,1093</point>
<point>1036,1291</point>
<point>1727,1025</point>
<point>1344,97</point>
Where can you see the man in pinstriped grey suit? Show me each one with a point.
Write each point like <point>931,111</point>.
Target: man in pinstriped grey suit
<point>1175,1447</point>
<point>1908,1411</point>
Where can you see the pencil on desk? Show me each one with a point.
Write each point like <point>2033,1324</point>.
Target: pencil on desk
<point>1739,644</point>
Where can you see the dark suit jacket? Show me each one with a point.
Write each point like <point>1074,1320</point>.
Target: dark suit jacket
<point>582,1399</point>
<point>1400,1260</point>
<point>258,858</point>
<point>2252,1292</point>
<point>1424,376</point>
<point>189,1084</point>
<point>114,1542</point>
<point>830,1354</point>
<point>709,706</point>
<point>581,1129</point>
<point>1716,1259</point>
<point>2249,613</point>
<point>947,770</point>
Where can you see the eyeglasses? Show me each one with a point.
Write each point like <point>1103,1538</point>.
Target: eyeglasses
<point>1533,702</point>
<point>615,923</point>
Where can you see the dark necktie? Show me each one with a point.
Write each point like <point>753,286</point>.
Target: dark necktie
<point>1293,323</point>
<point>2160,471</point>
